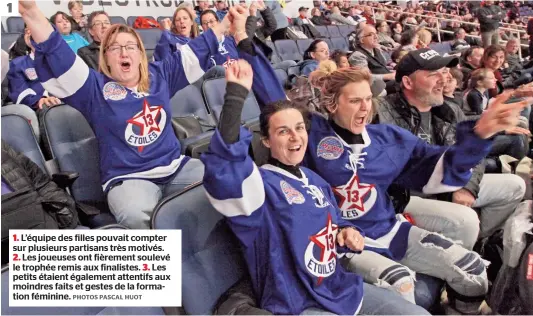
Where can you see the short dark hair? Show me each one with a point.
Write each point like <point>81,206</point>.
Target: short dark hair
<point>274,107</point>
<point>64,15</point>
<point>93,15</point>
<point>206,12</point>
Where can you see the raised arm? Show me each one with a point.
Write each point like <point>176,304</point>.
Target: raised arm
<point>35,20</point>
<point>232,181</point>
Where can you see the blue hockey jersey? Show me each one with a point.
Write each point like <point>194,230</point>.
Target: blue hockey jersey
<point>24,85</point>
<point>361,174</point>
<point>134,130</point>
<point>168,44</point>
<point>287,227</point>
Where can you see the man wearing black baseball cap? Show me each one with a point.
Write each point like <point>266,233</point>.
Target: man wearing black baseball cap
<point>420,108</point>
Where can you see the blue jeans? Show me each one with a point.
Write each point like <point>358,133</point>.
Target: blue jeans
<point>133,201</point>
<point>378,301</point>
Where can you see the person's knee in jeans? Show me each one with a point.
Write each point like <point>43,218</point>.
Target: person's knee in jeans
<point>399,279</point>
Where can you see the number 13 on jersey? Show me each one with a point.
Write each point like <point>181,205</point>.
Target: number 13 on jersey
<point>9,8</point>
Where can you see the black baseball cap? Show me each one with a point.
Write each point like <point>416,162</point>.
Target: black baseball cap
<point>423,59</point>
<point>302,9</point>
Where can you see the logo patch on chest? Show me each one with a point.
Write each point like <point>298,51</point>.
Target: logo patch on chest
<point>30,73</point>
<point>330,148</point>
<point>114,91</point>
<point>292,195</point>
<point>149,124</point>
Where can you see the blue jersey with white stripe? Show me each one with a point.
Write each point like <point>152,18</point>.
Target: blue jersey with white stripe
<point>24,85</point>
<point>287,227</point>
<point>133,129</point>
<point>361,174</point>
<point>169,43</point>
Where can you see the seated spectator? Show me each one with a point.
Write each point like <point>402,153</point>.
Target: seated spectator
<point>477,93</point>
<point>201,7</point>
<point>318,18</point>
<point>384,39</point>
<point>63,24</point>
<point>79,20</point>
<point>493,59</point>
<point>227,48</point>
<point>397,30</point>
<point>470,60</point>
<point>339,19</point>
<point>514,65</point>
<point>409,40</point>
<point>24,84</point>
<point>302,17</point>
<point>419,107</point>
<point>424,38</point>
<point>31,199</point>
<point>222,9</point>
<point>98,24</point>
<point>450,91</point>
<point>459,44</point>
<point>340,58</point>
<point>315,53</point>
<point>176,33</point>
<point>365,45</point>
<point>128,108</point>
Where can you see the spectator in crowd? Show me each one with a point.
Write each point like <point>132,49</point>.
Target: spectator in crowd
<point>493,59</point>
<point>318,18</point>
<point>365,45</point>
<point>470,60</point>
<point>515,64</point>
<point>424,38</point>
<point>128,106</point>
<point>24,84</point>
<point>340,58</point>
<point>176,33</point>
<point>397,30</point>
<point>477,93</point>
<point>409,40</point>
<point>302,17</point>
<point>63,24</point>
<point>315,53</point>
<point>98,24</point>
<point>222,9</point>
<point>339,19</point>
<point>79,23</point>
<point>274,245</point>
<point>460,44</point>
<point>201,7</point>
<point>419,107</point>
<point>490,16</point>
<point>450,91</point>
<point>227,48</point>
<point>19,48</point>
<point>384,39</point>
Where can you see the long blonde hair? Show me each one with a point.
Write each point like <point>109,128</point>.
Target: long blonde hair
<point>111,35</point>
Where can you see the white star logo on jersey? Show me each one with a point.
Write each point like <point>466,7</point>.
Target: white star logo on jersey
<point>352,197</point>
<point>326,240</point>
<point>151,122</point>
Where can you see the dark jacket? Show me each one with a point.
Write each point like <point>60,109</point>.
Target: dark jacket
<point>487,24</point>
<point>320,20</point>
<point>260,29</point>
<point>395,110</point>
<point>24,176</point>
<point>90,54</point>
<point>377,63</point>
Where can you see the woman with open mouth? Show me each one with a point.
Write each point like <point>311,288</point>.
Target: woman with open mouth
<point>361,161</point>
<point>176,33</point>
<point>285,216</point>
<point>127,105</point>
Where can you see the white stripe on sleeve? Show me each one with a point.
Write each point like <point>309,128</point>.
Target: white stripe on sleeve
<point>191,65</point>
<point>24,94</point>
<point>435,184</point>
<point>70,82</point>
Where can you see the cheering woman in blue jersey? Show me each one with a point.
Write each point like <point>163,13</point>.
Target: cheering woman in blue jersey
<point>127,106</point>
<point>285,216</point>
<point>360,162</point>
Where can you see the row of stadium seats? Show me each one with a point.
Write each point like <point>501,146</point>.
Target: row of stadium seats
<point>294,49</point>
<point>15,24</point>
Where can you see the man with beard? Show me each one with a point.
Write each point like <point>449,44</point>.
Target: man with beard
<point>420,108</point>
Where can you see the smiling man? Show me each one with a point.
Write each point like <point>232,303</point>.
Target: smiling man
<point>98,24</point>
<point>420,108</point>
